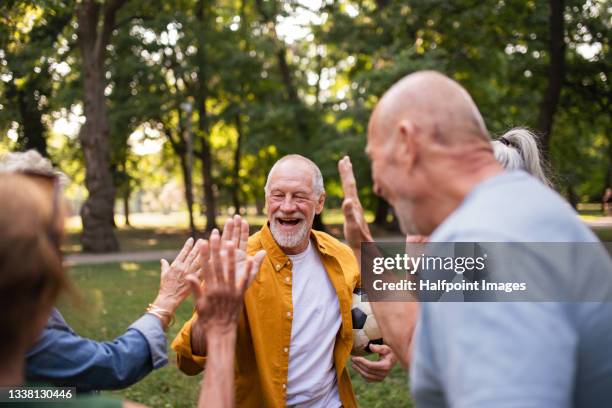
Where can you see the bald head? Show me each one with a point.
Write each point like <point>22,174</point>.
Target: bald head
<point>435,104</point>
<point>295,162</point>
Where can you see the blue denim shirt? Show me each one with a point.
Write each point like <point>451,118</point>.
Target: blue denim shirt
<point>62,358</point>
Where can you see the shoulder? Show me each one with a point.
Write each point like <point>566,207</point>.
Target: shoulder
<point>333,247</point>
<point>331,243</point>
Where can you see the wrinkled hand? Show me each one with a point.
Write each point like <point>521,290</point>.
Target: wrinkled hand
<point>375,371</point>
<point>219,301</point>
<point>356,228</point>
<point>174,287</point>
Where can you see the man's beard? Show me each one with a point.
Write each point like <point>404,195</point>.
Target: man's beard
<point>290,240</point>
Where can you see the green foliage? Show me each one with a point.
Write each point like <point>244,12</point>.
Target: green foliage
<point>310,93</point>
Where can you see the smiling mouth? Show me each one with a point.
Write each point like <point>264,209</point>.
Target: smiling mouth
<point>288,221</point>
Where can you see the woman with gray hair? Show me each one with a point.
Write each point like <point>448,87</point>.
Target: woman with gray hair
<point>517,149</point>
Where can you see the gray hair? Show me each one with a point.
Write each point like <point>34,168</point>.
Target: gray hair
<point>30,162</point>
<point>517,149</point>
<point>318,187</point>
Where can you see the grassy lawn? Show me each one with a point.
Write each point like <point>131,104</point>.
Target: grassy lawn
<point>114,295</point>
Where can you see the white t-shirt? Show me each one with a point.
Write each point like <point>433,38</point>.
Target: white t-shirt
<point>311,380</point>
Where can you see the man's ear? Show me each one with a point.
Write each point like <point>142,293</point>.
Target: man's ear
<point>407,146</point>
<point>320,204</point>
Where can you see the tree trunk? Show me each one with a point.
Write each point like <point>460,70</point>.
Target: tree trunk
<point>236,170</point>
<point>209,201</point>
<point>126,207</point>
<point>188,192</point>
<point>97,212</point>
<point>556,74</point>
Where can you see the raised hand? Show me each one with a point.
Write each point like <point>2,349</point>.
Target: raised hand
<point>236,230</point>
<point>226,278</point>
<point>356,228</point>
<point>174,287</point>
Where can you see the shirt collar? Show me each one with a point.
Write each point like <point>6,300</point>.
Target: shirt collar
<point>275,253</point>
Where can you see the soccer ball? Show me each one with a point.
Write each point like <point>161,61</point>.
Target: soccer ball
<point>365,328</point>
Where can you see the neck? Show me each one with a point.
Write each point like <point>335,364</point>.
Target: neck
<point>454,178</point>
<point>297,249</point>
<point>12,370</point>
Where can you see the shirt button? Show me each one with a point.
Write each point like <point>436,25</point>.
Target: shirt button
<point>287,279</point>
<point>286,349</point>
<point>288,315</point>
<point>284,386</point>
<point>278,267</point>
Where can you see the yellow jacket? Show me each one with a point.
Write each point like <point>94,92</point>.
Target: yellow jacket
<point>264,328</point>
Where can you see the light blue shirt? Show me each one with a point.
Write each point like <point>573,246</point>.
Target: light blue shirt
<point>522,354</point>
<point>63,358</point>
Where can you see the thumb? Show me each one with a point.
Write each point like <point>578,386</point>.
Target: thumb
<point>164,265</point>
<point>257,260</point>
<point>381,349</point>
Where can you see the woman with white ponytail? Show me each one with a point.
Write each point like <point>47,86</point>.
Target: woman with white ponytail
<point>517,149</point>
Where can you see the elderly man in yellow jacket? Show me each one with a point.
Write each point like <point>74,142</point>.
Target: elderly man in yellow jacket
<point>295,332</point>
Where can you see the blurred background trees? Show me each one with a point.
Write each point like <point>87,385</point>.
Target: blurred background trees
<point>130,97</point>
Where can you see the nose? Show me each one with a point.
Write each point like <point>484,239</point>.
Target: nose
<point>288,205</point>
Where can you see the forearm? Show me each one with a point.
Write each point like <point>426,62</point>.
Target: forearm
<point>397,321</point>
<point>218,383</point>
<point>63,358</point>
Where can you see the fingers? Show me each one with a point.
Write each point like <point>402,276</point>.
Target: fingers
<point>228,230</point>
<point>257,260</point>
<point>244,235</point>
<point>381,349</point>
<point>367,374</point>
<point>193,254</point>
<point>230,264</point>
<point>164,266</point>
<point>205,269</point>
<point>245,279</point>
<point>216,264</point>
<point>348,208</point>
<point>237,223</point>
<point>186,248</point>
<point>349,185</point>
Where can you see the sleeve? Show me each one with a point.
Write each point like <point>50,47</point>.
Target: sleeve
<point>508,355</point>
<point>189,363</point>
<point>61,357</point>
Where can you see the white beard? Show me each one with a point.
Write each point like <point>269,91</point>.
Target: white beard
<point>285,240</point>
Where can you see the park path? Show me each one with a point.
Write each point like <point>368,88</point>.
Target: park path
<point>156,255</point>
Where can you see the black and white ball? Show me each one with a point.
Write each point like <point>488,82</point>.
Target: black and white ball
<point>365,328</point>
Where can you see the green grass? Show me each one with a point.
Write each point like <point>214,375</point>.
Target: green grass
<point>114,295</point>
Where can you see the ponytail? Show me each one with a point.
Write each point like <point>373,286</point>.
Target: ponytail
<point>517,149</point>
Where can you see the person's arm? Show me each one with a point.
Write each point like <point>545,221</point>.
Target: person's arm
<point>218,304</point>
<point>388,314</point>
<point>62,357</point>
